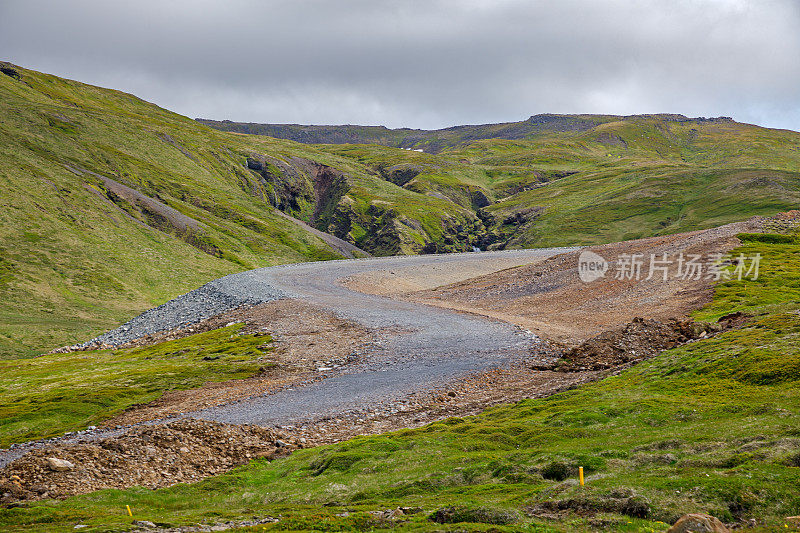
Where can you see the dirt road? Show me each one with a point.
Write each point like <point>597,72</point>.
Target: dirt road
<point>367,346</point>
<point>419,346</point>
<point>400,348</point>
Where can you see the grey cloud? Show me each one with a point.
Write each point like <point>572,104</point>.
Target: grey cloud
<point>423,63</point>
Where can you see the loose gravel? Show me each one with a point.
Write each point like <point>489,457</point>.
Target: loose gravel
<point>419,347</point>
<point>214,298</point>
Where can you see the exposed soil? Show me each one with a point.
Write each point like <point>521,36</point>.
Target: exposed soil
<point>305,339</point>
<point>402,280</point>
<point>549,299</point>
<point>149,456</point>
<point>639,340</point>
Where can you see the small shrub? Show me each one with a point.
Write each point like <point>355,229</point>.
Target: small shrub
<point>793,460</point>
<point>477,515</point>
<point>635,507</point>
<point>769,238</point>
<point>341,462</point>
<point>558,471</point>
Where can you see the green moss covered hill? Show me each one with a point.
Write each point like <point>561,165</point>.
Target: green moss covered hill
<point>579,179</point>
<point>111,205</point>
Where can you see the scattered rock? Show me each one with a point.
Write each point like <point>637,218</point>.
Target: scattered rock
<point>698,523</point>
<point>152,456</point>
<point>144,523</point>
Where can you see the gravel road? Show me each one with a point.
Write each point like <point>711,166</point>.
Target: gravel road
<point>433,345</point>
<point>420,346</point>
<point>428,346</point>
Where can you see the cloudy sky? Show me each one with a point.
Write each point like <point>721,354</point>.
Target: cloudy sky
<point>423,64</point>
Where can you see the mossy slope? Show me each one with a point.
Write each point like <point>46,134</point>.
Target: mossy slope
<point>112,205</point>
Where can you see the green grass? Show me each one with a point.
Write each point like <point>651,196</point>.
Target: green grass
<point>76,259</point>
<point>52,394</point>
<point>709,427</point>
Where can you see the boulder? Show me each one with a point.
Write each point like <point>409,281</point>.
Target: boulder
<point>59,465</point>
<point>698,523</point>
<point>254,164</point>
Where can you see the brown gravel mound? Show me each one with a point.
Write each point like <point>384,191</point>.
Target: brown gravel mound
<point>639,340</point>
<point>549,299</point>
<point>634,342</point>
<point>149,456</point>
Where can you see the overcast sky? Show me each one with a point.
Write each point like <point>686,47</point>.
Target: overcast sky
<point>422,64</point>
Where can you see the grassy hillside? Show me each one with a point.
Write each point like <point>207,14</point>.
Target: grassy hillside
<point>581,179</point>
<point>639,177</point>
<point>112,205</point>
<point>711,426</point>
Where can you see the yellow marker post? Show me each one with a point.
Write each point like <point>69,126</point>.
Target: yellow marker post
<point>129,510</point>
<point>580,474</point>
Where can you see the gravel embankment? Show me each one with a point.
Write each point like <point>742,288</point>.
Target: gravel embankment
<point>218,296</point>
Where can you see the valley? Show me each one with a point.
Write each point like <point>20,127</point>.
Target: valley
<point>238,325</point>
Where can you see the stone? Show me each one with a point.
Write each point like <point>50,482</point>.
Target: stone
<point>253,164</point>
<point>8,71</point>
<point>698,523</point>
<point>59,465</point>
<point>144,523</point>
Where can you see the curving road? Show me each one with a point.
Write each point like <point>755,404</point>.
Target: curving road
<point>434,345</point>
<point>420,347</point>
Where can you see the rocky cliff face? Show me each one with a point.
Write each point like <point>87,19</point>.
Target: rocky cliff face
<point>324,197</point>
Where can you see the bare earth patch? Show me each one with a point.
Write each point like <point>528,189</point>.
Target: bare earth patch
<point>305,338</point>
<point>403,280</point>
<point>549,299</point>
